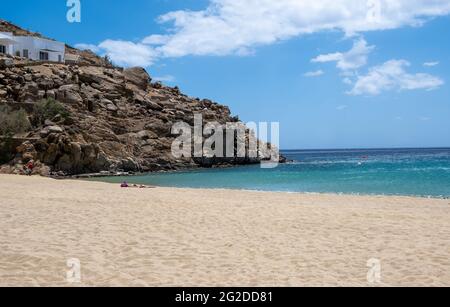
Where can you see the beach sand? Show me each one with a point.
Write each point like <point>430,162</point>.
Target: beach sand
<point>186,237</point>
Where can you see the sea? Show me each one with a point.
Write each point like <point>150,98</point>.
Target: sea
<point>421,172</point>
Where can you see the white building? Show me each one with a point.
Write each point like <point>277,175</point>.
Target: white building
<point>33,48</point>
<point>6,43</point>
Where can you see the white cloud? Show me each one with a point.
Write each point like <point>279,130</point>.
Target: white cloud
<point>93,48</point>
<point>230,27</point>
<point>235,27</point>
<point>312,74</point>
<point>347,81</point>
<point>392,75</point>
<point>155,40</point>
<point>128,53</point>
<point>350,60</point>
<point>430,64</point>
<point>424,119</point>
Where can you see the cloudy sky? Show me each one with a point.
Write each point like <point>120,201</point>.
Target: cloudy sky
<point>334,73</point>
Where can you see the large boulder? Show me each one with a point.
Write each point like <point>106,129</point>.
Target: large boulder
<point>137,76</point>
<point>91,75</point>
<point>70,94</point>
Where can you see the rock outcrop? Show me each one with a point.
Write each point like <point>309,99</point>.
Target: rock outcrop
<point>117,119</point>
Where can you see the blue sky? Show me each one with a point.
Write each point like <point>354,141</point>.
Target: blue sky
<point>331,76</point>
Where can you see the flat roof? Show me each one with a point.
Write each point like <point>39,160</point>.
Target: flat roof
<point>40,38</point>
<point>5,38</point>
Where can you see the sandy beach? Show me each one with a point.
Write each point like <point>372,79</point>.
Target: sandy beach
<point>184,237</point>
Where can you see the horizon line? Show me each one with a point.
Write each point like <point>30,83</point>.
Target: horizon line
<point>367,148</point>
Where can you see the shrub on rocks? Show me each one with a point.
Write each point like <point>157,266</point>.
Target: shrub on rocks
<point>13,121</point>
<point>48,109</point>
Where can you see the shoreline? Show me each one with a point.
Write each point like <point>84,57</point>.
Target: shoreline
<point>200,189</point>
<point>106,174</point>
<point>285,192</point>
<point>254,190</point>
<point>190,237</point>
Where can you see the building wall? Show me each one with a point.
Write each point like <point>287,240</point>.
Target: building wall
<point>9,48</point>
<point>35,45</point>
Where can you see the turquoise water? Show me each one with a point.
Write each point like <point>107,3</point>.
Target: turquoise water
<point>418,172</point>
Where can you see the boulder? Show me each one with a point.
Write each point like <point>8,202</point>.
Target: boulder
<point>50,94</point>
<point>41,94</point>
<point>55,129</point>
<point>128,165</point>
<point>29,92</point>
<point>6,62</point>
<point>26,152</point>
<point>137,76</point>
<point>111,107</point>
<point>90,75</point>
<point>70,94</point>
<point>46,84</point>
<point>49,155</point>
<point>159,127</point>
<point>44,133</point>
<point>154,106</point>
<point>65,163</point>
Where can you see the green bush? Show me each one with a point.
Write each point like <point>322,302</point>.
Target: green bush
<point>12,122</point>
<point>49,109</point>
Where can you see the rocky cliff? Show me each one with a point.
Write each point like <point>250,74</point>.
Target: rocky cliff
<point>110,119</point>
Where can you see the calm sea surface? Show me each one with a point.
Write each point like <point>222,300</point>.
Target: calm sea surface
<point>418,172</point>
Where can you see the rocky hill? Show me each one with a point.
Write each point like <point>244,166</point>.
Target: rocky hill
<point>91,118</point>
<point>6,26</point>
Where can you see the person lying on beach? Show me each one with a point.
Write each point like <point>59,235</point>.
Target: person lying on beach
<point>145,187</point>
<point>125,185</point>
<point>139,186</point>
